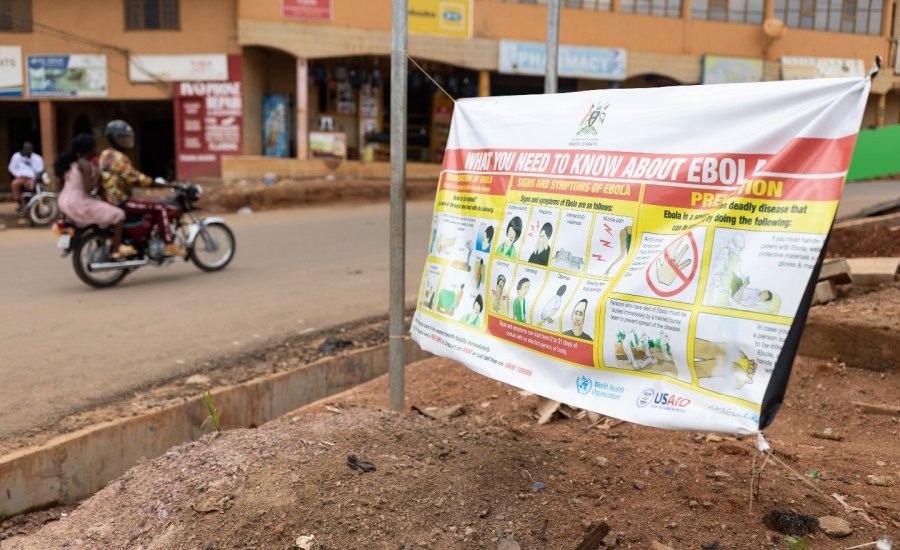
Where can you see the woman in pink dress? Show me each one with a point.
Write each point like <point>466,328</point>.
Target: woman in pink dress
<point>79,177</point>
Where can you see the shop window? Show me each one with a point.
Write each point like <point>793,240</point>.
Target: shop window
<point>597,5</point>
<point>730,11</point>
<point>661,8</point>
<point>151,15</point>
<point>15,15</point>
<point>845,16</point>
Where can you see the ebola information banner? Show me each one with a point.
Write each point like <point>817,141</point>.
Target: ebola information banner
<point>648,254</point>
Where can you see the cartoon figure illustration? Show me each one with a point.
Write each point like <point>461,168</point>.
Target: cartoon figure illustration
<point>448,300</point>
<point>723,360</point>
<point>444,242</point>
<point>541,254</point>
<point>499,300</point>
<point>485,238</point>
<point>473,318</point>
<point>479,273</point>
<point>578,314</point>
<point>665,272</point>
<point>519,306</point>
<point>730,287</point>
<point>465,265</point>
<point>552,306</point>
<point>624,248</point>
<point>507,248</point>
<point>564,256</point>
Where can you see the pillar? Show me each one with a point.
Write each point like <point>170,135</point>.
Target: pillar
<point>47,116</point>
<point>484,83</point>
<point>302,108</point>
<point>880,108</point>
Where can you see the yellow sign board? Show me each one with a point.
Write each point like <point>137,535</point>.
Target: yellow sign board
<point>440,17</point>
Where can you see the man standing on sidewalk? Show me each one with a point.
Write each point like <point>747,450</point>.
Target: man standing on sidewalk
<point>25,166</point>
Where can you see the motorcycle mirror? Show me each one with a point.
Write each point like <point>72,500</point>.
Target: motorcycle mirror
<point>45,178</point>
<point>159,181</point>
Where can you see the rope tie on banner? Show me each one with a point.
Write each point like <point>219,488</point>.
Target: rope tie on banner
<point>404,52</point>
<point>876,68</point>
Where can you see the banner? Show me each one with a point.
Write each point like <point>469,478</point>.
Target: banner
<point>208,122</point>
<point>67,76</point>
<point>530,58</point>
<point>11,71</point>
<point>313,10</point>
<point>723,70</point>
<point>178,68</point>
<point>275,126</point>
<point>440,17</point>
<point>648,254</point>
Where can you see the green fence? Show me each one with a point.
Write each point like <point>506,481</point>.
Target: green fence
<point>877,154</point>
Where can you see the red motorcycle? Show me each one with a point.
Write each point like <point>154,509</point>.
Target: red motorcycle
<point>208,241</point>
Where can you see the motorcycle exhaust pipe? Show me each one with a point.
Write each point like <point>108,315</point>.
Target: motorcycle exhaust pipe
<point>103,266</point>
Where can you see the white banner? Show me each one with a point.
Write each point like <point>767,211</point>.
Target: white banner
<point>642,253</point>
<point>178,68</point>
<point>11,73</point>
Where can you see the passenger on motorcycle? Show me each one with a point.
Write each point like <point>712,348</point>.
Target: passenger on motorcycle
<point>118,177</point>
<point>76,169</point>
<point>26,167</point>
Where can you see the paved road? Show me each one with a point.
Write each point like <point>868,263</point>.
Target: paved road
<point>861,194</point>
<point>64,345</point>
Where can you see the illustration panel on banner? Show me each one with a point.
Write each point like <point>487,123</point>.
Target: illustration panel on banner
<point>501,288</point>
<point>529,281</point>
<point>539,236</point>
<point>569,249</point>
<point>734,356</point>
<point>513,226</point>
<point>578,319</point>
<point>555,295</point>
<point>666,267</point>
<point>610,245</point>
<point>646,338</point>
<point>430,285</point>
<point>760,272</point>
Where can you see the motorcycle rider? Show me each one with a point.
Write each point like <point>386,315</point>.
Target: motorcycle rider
<point>118,177</point>
<point>26,167</point>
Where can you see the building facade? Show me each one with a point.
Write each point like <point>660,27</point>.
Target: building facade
<point>200,79</point>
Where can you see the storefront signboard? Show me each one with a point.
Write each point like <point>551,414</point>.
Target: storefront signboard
<point>178,68</point>
<point>796,68</point>
<point>208,122</point>
<point>530,58</point>
<point>440,17</point>
<point>315,10</point>
<point>67,76</point>
<point>11,71</point>
<point>722,70</point>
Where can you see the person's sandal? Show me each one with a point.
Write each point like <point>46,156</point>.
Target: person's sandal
<point>124,251</point>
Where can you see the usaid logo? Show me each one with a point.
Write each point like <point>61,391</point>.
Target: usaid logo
<point>663,400</point>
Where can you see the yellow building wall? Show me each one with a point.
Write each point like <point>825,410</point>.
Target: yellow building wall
<point>98,27</point>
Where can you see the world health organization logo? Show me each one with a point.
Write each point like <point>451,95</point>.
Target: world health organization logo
<point>583,384</point>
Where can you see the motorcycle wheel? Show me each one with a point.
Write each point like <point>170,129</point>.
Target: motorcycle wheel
<point>213,248</point>
<point>44,211</point>
<point>94,247</point>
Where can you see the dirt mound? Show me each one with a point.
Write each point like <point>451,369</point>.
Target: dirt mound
<point>491,476</point>
<point>864,243</point>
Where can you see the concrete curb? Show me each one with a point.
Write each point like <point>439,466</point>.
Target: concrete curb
<point>77,465</point>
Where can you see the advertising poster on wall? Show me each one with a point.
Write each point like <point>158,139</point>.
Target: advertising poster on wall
<point>530,58</point>
<point>275,126</point>
<point>11,80</point>
<point>67,76</point>
<point>440,17</point>
<point>660,277</point>
<point>178,68</point>
<point>314,10</point>
<point>724,70</point>
<point>208,122</point>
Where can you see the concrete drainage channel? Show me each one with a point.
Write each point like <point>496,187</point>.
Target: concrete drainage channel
<point>75,466</point>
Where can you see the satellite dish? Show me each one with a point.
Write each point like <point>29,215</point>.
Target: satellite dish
<point>774,27</point>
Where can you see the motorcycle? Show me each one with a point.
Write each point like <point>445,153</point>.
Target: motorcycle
<point>40,206</point>
<point>209,243</point>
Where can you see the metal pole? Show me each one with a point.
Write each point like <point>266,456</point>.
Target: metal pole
<point>550,84</point>
<point>397,328</point>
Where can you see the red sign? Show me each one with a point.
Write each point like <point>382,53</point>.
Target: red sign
<point>668,268</point>
<point>317,10</point>
<point>208,122</point>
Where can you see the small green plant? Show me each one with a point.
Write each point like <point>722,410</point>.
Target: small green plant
<point>2,517</point>
<point>795,544</point>
<point>213,417</point>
